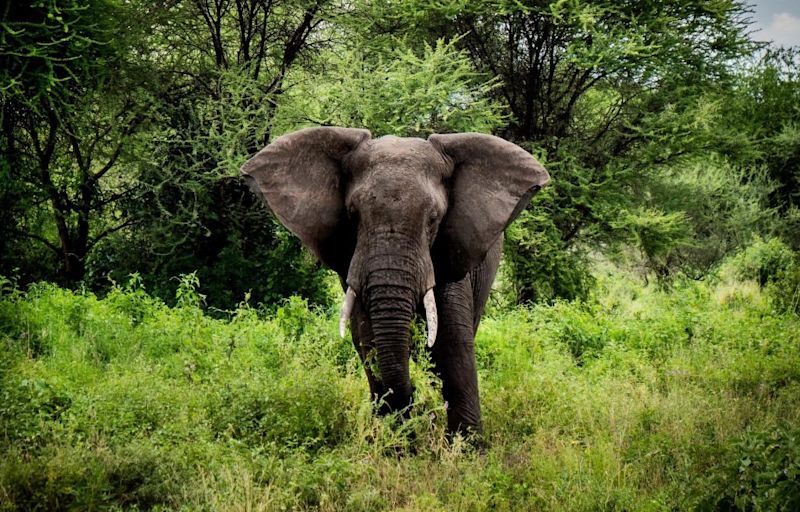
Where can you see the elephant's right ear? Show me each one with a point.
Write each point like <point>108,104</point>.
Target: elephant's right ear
<point>299,176</point>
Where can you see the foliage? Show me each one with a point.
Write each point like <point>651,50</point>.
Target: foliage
<point>51,47</point>
<point>785,290</point>
<point>659,235</point>
<point>764,261</point>
<point>73,96</point>
<point>696,214</point>
<point>397,92</point>
<point>223,72</point>
<point>761,122</point>
<point>761,473</point>
<point>536,267</point>
<point>774,266</point>
<point>124,124</point>
<point>637,398</point>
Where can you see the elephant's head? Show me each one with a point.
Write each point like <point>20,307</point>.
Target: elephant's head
<point>394,217</point>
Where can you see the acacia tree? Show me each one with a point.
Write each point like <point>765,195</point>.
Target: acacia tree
<point>602,91</point>
<point>69,107</point>
<point>224,64</point>
<point>396,91</point>
<point>762,121</point>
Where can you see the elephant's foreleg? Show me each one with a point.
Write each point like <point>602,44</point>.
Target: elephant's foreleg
<point>460,308</point>
<point>453,356</point>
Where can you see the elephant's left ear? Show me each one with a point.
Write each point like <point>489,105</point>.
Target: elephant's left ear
<point>492,182</point>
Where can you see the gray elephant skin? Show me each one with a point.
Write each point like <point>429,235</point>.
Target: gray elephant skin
<point>410,226</point>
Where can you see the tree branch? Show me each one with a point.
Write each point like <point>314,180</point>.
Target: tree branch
<point>109,231</point>
<point>39,238</point>
<point>76,148</point>
<point>118,150</point>
<point>114,198</point>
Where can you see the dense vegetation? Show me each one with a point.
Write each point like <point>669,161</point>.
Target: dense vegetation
<point>671,134</point>
<point>637,399</point>
<point>166,344</point>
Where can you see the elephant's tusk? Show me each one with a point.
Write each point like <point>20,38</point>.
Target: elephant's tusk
<point>431,316</point>
<point>347,310</point>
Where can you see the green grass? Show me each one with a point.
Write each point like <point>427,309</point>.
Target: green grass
<point>639,399</point>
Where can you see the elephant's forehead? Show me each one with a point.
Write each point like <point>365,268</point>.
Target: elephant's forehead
<point>400,153</point>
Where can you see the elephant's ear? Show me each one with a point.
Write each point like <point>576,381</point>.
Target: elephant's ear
<point>299,176</point>
<point>492,181</point>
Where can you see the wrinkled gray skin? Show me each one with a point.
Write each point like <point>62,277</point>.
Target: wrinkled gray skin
<point>395,217</point>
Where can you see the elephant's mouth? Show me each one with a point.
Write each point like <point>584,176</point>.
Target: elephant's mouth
<point>428,301</point>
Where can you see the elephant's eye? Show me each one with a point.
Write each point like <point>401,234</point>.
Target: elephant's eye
<point>351,211</point>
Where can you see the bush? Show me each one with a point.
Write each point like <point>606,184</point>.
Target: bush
<point>660,236</point>
<point>784,290</point>
<point>698,213</point>
<point>536,265</point>
<point>762,261</point>
<point>305,409</point>
<point>774,266</point>
<point>27,408</point>
<point>139,476</point>
<point>761,471</point>
<point>638,398</point>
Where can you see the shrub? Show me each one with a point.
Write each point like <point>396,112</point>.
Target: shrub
<point>140,476</point>
<point>537,266</point>
<point>699,212</point>
<point>761,471</point>
<point>27,407</point>
<point>306,408</point>
<point>774,266</point>
<point>659,235</point>
<point>784,290</point>
<point>638,398</point>
<point>762,261</point>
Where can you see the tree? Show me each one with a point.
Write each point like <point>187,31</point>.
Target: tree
<point>69,107</point>
<point>585,83</point>
<point>760,128</point>
<point>223,65</point>
<point>394,90</point>
<point>124,124</point>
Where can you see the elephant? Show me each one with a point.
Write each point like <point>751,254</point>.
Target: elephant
<point>411,226</point>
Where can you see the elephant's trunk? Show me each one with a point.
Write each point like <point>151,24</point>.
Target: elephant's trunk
<point>390,272</point>
<point>390,308</point>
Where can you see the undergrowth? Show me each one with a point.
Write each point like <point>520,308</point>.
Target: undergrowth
<point>636,399</point>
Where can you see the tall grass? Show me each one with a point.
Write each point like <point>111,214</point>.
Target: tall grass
<point>638,399</point>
